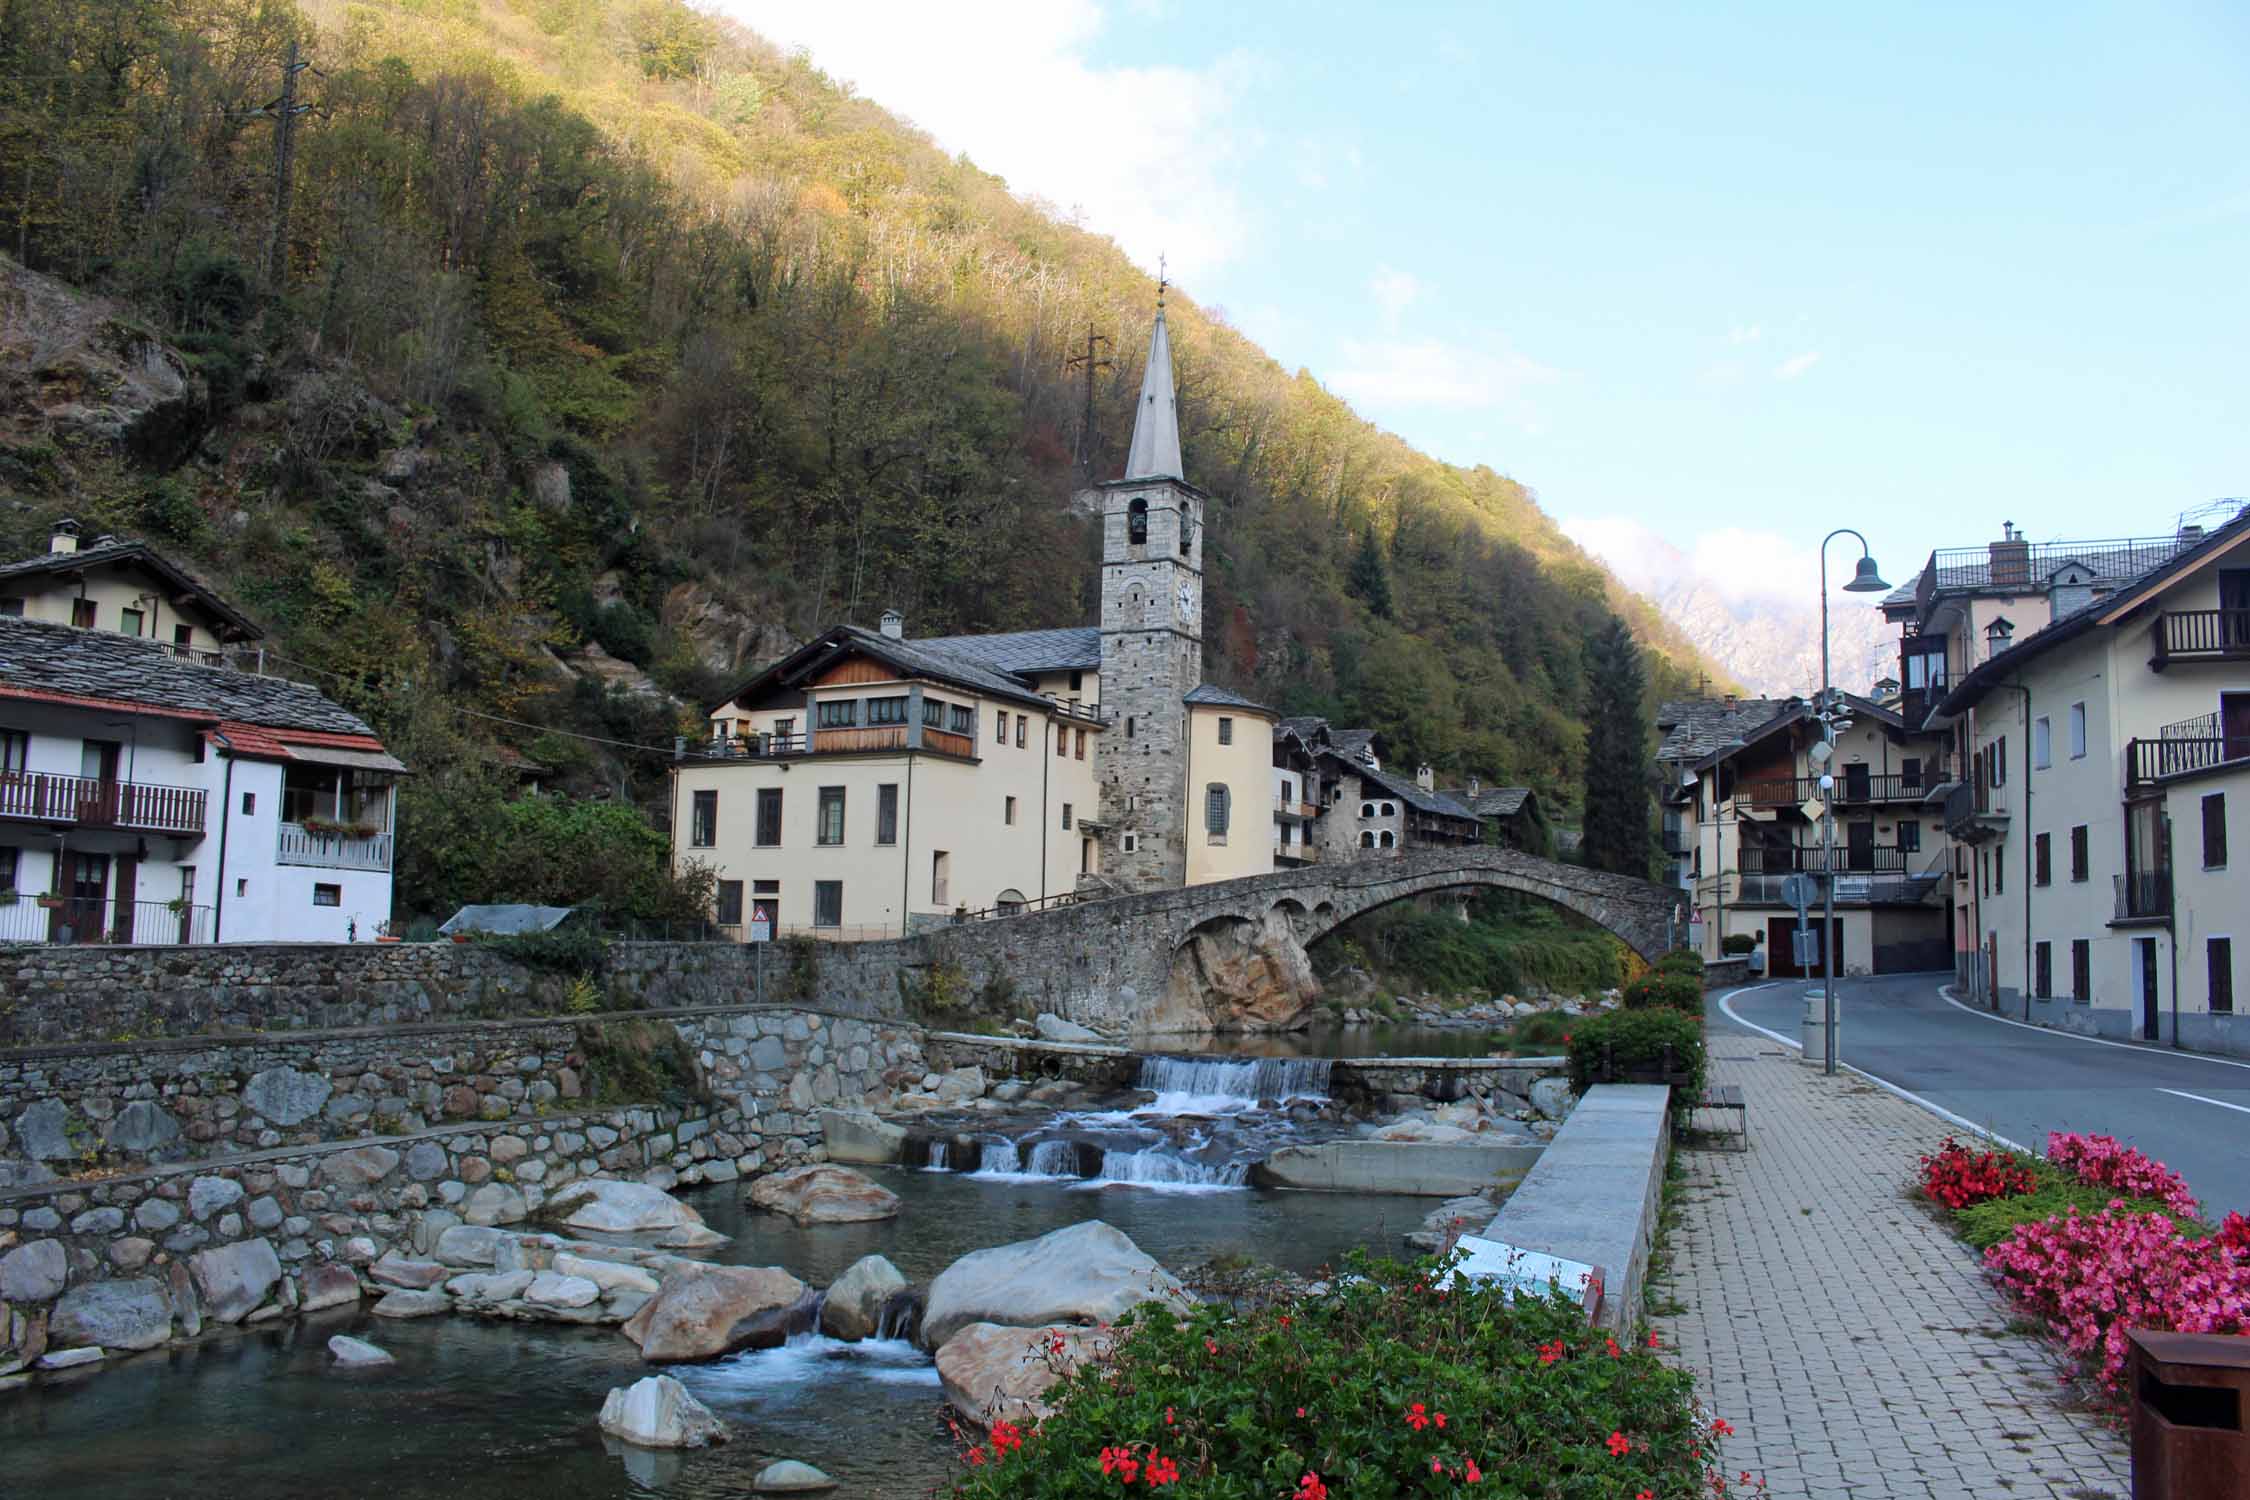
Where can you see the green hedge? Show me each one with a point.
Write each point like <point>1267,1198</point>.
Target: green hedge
<point>1662,988</point>
<point>1680,961</point>
<point>1738,942</point>
<point>1637,1039</point>
<point>1390,1384</point>
<point>1987,1224</point>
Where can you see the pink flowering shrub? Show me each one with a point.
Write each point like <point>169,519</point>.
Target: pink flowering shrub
<point>2099,1161</point>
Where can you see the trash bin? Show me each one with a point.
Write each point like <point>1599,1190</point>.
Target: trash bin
<point>2190,1394</point>
<point>1816,1028</point>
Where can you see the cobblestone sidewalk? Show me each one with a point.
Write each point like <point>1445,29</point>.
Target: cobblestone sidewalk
<point>1855,1345</point>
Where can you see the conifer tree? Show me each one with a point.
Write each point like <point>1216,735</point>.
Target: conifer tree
<point>1617,755</point>
<point>1370,577</point>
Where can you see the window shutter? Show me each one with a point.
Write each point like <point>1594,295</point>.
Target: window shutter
<point>1215,809</point>
<point>2215,830</point>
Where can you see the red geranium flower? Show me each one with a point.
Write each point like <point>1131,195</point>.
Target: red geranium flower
<point>1619,1445</point>
<point>1471,1472</point>
<point>1310,1488</point>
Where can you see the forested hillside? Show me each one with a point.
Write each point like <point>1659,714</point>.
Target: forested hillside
<point>606,350</point>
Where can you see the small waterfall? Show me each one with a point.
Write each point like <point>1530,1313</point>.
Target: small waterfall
<point>999,1156</point>
<point>1161,1166</point>
<point>902,1316</point>
<point>1064,1159</point>
<point>1208,1085</point>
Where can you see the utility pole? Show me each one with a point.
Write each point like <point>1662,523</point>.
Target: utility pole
<point>1091,360</point>
<point>284,111</point>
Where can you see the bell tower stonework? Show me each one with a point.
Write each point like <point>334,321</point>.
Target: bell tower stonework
<point>1152,638</point>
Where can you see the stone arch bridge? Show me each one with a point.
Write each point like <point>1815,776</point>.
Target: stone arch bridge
<point>1224,955</point>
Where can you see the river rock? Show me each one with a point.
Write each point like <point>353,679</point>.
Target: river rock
<point>658,1412</point>
<point>789,1477</point>
<point>328,1286</point>
<point>1453,1217</point>
<point>996,1372</point>
<point>824,1193</point>
<point>620,1207</point>
<point>606,1274</point>
<point>1054,1028</point>
<point>234,1279</point>
<point>853,1135</point>
<point>406,1304</point>
<point>495,1203</point>
<point>1552,1097</point>
<point>853,1309</point>
<point>33,1272</point>
<point>553,1289</point>
<point>362,1166</point>
<point>703,1311</point>
<point>1422,1130</point>
<point>69,1359</point>
<point>354,1353</point>
<point>113,1314</point>
<point>1239,974</point>
<point>415,1275</point>
<point>209,1195</point>
<point>23,1174</point>
<point>469,1245</point>
<point>494,1287</point>
<point>961,1085</point>
<point>1087,1273</point>
<point>285,1096</point>
<point>144,1127</point>
<point>43,1131</point>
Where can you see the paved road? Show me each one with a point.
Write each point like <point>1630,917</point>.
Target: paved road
<point>2022,1081</point>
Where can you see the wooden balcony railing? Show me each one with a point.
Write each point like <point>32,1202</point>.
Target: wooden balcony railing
<point>299,845</point>
<point>1877,859</point>
<point>87,802</point>
<point>1885,786</point>
<point>2200,635</point>
<point>2150,761</point>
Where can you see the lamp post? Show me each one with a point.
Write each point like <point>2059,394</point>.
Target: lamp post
<point>1865,580</point>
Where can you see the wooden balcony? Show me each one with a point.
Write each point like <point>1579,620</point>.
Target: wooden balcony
<point>2183,635</point>
<point>872,739</point>
<point>87,802</point>
<point>1867,859</point>
<point>326,850</point>
<point>1975,813</point>
<point>1850,790</point>
<point>2163,758</point>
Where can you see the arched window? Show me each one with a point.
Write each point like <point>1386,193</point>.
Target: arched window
<point>1187,532</point>
<point>1390,809</point>
<point>1367,840</point>
<point>1008,903</point>
<point>1390,839</point>
<point>1367,809</point>
<point>1216,806</point>
<point>1136,523</point>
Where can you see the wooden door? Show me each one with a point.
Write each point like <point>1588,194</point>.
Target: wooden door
<point>85,892</point>
<point>121,899</point>
<point>1859,842</point>
<point>2144,953</point>
<point>1856,782</point>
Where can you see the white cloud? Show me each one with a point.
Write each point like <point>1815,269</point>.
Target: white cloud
<point>1430,373</point>
<point>1745,333</point>
<point>1796,365</point>
<point>1394,290</point>
<point>1740,565</point>
<point>1020,87</point>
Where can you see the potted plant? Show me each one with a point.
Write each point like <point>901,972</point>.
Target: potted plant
<point>384,934</point>
<point>9,895</point>
<point>52,901</point>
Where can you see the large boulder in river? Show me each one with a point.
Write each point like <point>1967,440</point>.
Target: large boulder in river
<point>853,1308</point>
<point>658,1412</point>
<point>1088,1273</point>
<point>113,1314</point>
<point>823,1193</point>
<point>993,1372</point>
<point>855,1135</point>
<point>702,1312</point>
<point>233,1279</point>
<point>1238,974</point>
<point>621,1208</point>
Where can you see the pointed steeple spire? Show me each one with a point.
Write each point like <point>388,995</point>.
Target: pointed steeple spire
<point>1156,420</point>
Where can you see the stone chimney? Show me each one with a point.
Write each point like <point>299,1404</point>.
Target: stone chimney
<point>1474,783</point>
<point>1425,778</point>
<point>65,538</point>
<point>894,624</point>
<point>2010,558</point>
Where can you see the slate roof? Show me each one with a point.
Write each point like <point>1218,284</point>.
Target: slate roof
<point>1697,726</point>
<point>913,658</point>
<point>40,659</point>
<point>2113,563</point>
<point>1491,801</point>
<point>1075,648</point>
<point>1407,790</point>
<point>1212,693</point>
<point>109,553</point>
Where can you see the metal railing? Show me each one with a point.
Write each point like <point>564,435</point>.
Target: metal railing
<point>1969,801</point>
<point>1878,859</point>
<point>299,845</point>
<point>71,919</point>
<point>2025,565</point>
<point>2143,895</point>
<point>1884,786</point>
<point>2200,635</point>
<point>1304,854</point>
<point>2150,761</point>
<point>89,802</point>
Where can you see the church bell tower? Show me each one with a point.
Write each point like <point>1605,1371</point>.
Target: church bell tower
<point>1152,637</point>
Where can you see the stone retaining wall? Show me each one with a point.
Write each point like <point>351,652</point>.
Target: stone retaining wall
<point>1367,1081</point>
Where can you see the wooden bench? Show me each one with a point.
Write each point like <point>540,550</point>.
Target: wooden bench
<point>1726,1096</point>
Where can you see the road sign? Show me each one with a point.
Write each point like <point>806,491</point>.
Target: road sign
<point>761,922</point>
<point>1800,891</point>
<point>1805,943</point>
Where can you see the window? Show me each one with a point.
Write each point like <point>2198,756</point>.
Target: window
<point>964,719</point>
<point>328,895</point>
<point>12,607</point>
<point>1910,773</point>
<point>730,903</point>
<point>2042,871</point>
<point>187,882</point>
<point>1062,744</point>
<point>836,713</point>
<point>1216,807</point>
<point>2081,970</point>
<point>1080,736</point>
<point>769,818</point>
<point>2000,761</point>
<point>1910,838</point>
<point>886,710</point>
<point>1008,813</point>
<point>2215,831</point>
<point>1022,723</point>
<point>1367,809</point>
<point>1078,682</point>
<point>2218,953</point>
<point>1187,532</point>
<point>828,903</point>
<point>2043,970</point>
<point>703,821</point>
<point>1136,523</point>
<point>82,613</point>
<point>1000,734</point>
<point>15,748</point>
<point>941,878</point>
<point>1131,843</point>
<point>11,863</point>
<point>183,636</point>
<point>130,622</point>
<point>784,728</point>
<point>2077,731</point>
<point>829,829</point>
<point>1066,816</point>
<point>242,885</point>
<point>249,804</point>
<point>1288,790</point>
<point>933,713</point>
<point>1226,730</point>
<point>1999,874</point>
<point>886,813</point>
<point>2078,852</point>
<point>1390,839</point>
<point>767,893</point>
<point>1390,809</point>
<point>2042,744</point>
<point>1128,726</point>
<point>1367,839</point>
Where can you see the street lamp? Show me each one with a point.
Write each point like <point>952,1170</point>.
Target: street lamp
<point>1865,580</point>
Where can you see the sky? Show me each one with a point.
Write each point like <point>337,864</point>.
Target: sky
<point>1719,278</point>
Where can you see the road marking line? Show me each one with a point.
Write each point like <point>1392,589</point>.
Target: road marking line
<point>1945,993</point>
<point>1726,1006</point>
<point>2198,1098</point>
